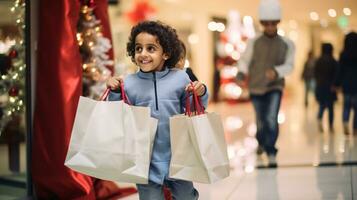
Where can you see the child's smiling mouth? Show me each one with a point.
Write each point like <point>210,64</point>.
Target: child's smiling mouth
<point>145,61</point>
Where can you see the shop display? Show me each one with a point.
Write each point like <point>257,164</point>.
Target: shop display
<point>93,46</point>
<point>12,69</point>
<point>142,10</point>
<point>12,84</point>
<point>231,36</point>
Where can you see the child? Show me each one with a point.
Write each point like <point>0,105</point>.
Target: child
<point>181,63</point>
<point>155,48</point>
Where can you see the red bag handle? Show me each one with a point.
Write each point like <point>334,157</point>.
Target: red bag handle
<point>196,100</point>
<point>105,94</point>
<point>123,94</point>
<point>188,106</point>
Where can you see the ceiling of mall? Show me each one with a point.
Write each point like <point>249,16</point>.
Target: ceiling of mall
<point>180,12</point>
<point>174,10</point>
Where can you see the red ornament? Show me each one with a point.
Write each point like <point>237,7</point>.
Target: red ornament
<point>14,91</point>
<point>91,3</point>
<point>13,54</point>
<point>223,38</point>
<point>142,11</point>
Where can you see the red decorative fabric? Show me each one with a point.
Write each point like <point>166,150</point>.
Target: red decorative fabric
<point>107,190</point>
<point>167,193</point>
<point>58,87</point>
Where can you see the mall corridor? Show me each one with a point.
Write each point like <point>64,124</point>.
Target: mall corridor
<point>60,140</point>
<point>311,165</point>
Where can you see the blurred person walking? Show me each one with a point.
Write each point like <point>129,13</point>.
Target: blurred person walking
<point>347,79</point>
<point>325,76</point>
<point>182,61</point>
<point>308,76</point>
<point>267,59</point>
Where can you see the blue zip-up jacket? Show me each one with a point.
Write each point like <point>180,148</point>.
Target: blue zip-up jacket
<point>164,92</point>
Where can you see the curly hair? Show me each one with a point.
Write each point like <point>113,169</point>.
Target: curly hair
<point>183,47</point>
<point>166,35</point>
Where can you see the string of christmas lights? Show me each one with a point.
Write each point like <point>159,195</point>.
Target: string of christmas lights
<point>93,48</point>
<point>12,79</point>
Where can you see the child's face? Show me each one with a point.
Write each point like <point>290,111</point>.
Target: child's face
<point>149,54</point>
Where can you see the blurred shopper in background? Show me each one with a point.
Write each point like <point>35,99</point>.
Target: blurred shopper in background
<point>347,78</point>
<point>181,63</point>
<point>325,76</point>
<point>308,76</point>
<point>268,58</point>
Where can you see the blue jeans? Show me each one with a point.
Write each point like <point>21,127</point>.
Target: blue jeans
<point>180,190</point>
<point>309,87</point>
<point>349,103</point>
<point>266,108</point>
<point>322,107</point>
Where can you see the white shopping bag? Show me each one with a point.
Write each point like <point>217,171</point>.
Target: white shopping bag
<point>112,140</point>
<point>199,150</point>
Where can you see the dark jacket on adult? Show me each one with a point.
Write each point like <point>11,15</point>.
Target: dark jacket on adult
<point>308,72</point>
<point>347,74</point>
<point>325,75</point>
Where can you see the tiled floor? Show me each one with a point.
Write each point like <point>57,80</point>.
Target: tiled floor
<point>12,185</point>
<point>11,193</point>
<point>311,165</point>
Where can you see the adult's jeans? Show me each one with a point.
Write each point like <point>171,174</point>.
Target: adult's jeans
<point>309,87</point>
<point>322,107</point>
<point>180,190</point>
<point>266,108</point>
<point>349,103</point>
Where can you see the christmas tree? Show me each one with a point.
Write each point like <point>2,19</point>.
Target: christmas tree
<point>12,71</point>
<point>93,48</point>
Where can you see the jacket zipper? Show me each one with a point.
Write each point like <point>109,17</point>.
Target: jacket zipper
<point>156,102</point>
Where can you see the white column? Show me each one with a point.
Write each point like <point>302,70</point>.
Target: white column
<point>202,51</point>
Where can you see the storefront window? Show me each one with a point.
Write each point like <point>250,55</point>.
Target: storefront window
<point>13,164</point>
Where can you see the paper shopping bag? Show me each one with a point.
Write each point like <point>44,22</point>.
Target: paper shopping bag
<point>111,140</point>
<point>140,172</point>
<point>199,150</point>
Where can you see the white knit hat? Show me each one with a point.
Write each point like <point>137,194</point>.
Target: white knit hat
<point>269,10</point>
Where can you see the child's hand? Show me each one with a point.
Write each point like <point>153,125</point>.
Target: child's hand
<point>114,82</point>
<point>199,88</point>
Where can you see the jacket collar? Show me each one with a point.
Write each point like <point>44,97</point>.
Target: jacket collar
<point>150,75</point>
<point>271,37</point>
